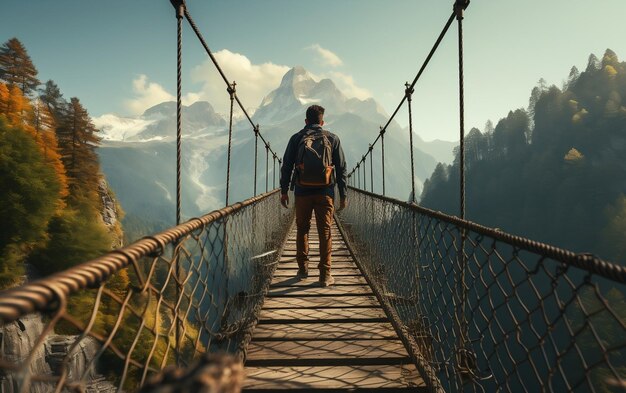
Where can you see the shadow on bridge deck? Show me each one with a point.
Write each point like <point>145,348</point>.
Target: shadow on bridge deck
<point>333,338</point>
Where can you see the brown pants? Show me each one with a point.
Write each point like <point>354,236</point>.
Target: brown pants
<point>323,207</point>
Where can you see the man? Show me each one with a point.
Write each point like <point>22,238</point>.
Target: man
<point>317,161</point>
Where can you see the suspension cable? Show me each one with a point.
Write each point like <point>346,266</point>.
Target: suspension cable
<point>274,173</point>
<point>371,169</point>
<point>408,93</point>
<point>421,70</point>
<point>179,6</point>
<point>267,149</point>
<point>231,92</point>
<point>195,29</point>
<point>464,361</point>
<point>364,175</point>
<point>256,154</point>
<point>382,159</point>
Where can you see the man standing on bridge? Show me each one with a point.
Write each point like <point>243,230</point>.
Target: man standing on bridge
<point>316,159</point>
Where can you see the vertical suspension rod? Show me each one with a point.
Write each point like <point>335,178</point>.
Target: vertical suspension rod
<point>408,93</point>
<point>371,169</point>
<point>464,361</point>
<point>274,173</point>
<point>231,91</point>
<point>382,143</point>
<point>363,160</point>
<point>256,154</point>
<point>179,6</point>
<point>267,157</point>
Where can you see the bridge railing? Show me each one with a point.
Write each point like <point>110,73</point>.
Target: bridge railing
<point>483,310</point>
<point>165,299</point>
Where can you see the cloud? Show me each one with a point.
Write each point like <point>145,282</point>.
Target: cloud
<point>254,81</point>
<point>326,57</point>
<point>347,85</point>
<point>147,94</point>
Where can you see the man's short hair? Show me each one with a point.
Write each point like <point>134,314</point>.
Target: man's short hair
<point>315,114</point>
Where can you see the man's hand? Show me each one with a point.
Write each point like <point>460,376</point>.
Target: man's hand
<point>342,204</point>
<point>284,200</point>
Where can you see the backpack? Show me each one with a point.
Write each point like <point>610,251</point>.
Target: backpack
<point>314,160</point>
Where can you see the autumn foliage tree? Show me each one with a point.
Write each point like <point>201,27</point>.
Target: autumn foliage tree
<point>50,172</point>
<point>16,66</point>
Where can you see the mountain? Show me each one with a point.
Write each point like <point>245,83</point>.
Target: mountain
<point>138,154</point>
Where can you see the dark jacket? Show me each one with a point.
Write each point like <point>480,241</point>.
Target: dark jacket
<point>289,160</point>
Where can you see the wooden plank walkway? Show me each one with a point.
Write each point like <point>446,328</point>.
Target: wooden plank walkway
<point>336,338</point>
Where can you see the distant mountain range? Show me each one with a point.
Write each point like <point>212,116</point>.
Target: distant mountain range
<point>138,154</point>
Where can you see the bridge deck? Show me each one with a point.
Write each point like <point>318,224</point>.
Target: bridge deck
<point>333,338</point>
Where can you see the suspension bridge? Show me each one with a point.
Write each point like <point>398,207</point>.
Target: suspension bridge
<point>424,301</point>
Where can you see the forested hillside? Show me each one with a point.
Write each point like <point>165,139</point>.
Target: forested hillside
<point>53,193</point>
<point>554,172</point>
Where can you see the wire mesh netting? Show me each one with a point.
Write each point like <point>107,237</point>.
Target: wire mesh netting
<point>507,314</point>
<point>167,299</point>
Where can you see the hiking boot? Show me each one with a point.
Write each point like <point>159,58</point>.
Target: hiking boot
<point>326,279</point>
<point>303,273</point>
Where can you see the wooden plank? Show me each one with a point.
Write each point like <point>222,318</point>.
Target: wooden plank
<point>314,270</point>
<point>291,246</point>
<point>333,377</point>
<point>315,253</point>
<point>325,349</point>
<point>296,282</point>
<point>327,331</point>
<point>321,301</point>
<point>317,290</point>
<point>290,271</point>
<point>321,314</point>
<point>316,258</point>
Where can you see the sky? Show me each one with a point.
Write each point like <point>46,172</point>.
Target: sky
<point>118,56</point>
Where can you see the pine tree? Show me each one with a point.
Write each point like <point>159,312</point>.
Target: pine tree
<point>53,99</point>
<point>16,67</point>
<point>78,139</point>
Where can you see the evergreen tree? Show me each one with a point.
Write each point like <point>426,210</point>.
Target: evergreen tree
<point>78,140</point>
<point>555,186</point>
<point>53,99</point>
<point>16,67</point>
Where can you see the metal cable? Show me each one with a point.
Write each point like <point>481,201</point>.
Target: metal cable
<point>256,154</point>
<point>371,169</point>
<point>204,44</point>
<point>274,173</point>
<point>267,149</point>
<point>421,70</point>
<point>364,173</point>
<point>231,92</point>
<point>180,9</point>
<point>408,93</point>
<point>382,158</point>
<point>463,362</point>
